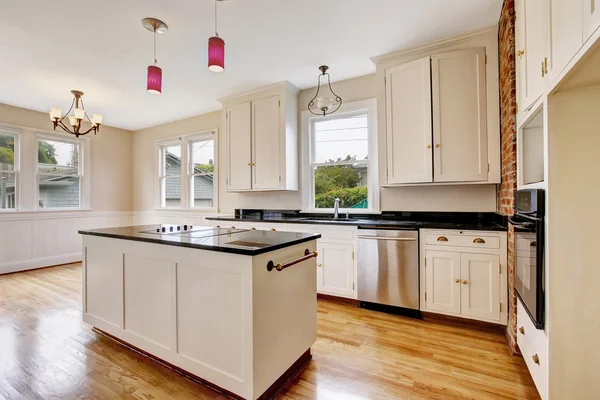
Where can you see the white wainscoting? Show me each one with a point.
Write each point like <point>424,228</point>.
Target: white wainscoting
<point>41,239</point>
<point>190,217</point>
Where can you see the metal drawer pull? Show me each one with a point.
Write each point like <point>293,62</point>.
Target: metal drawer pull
<point>533,244</point>
<point>536,359</point>
<point>388,238</point>
<point>281,267</point>
<point>522,330</point>
<point>442,239</point>
<point>478,240</point>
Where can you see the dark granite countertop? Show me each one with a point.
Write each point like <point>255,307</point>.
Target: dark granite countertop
<point>460,221</point>
<point>236,241</point>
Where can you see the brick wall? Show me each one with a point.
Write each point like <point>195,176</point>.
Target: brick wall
<point>508,119</point>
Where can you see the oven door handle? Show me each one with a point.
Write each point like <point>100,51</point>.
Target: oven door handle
<point>397,239</point>
<point>517,223</point>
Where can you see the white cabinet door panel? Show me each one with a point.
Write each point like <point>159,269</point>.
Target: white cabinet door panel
<point>408,102</point>
<point>565,34</point>
<point>335,269</point>
<point>266,141</point>
<point>104,285</point>
<point>459,116</point>
<point>480,281</point>
<point>239,147</point>
<point>591,17</point>
<point>534,27</point>
<point>442,271</point>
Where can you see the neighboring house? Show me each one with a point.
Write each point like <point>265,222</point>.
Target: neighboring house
<point>203,185</point>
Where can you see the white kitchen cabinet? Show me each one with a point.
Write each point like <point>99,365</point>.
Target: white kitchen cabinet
<point>591,17</point>
<point>459,116</point>
<point>463,273</point>
<point>408,102</point>
<point>480,286</point>
<point>531,51</point>
<point>442,279</point>
<point>262,139</point>
<point>335,268</point>
<point>565,34</point>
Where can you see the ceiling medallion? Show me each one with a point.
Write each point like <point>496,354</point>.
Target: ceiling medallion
<point>154,82</point>
<point>76,118</point>
<point>325,105</point>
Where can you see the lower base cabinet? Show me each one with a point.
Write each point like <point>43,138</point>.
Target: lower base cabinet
<point>335,269</point>
<point>463,273</point>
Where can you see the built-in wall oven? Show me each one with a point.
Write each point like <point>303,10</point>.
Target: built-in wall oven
<point>528,222</point>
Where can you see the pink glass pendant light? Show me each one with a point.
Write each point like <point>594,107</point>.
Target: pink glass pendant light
<point>216,49</point>
<point>154,81</point>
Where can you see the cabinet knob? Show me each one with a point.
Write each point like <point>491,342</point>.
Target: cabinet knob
<point>442,239</point>
<point>465,282</point>
<point>478,240</point>
<point>536,359</point>
<point>428,146</point>
<point>273,229</point>
<point>437,145</point>
<point>218,226</point>
<point>522,330</point>
<point>319,265</point>
<point>457,280</point>
<point>253,229</point>
<point>233,227</point>
<point>520,53</point>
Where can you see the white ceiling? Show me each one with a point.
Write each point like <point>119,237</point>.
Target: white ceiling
<point>101,48</point>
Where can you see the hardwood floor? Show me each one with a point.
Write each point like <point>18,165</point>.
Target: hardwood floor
<point>47,352</point>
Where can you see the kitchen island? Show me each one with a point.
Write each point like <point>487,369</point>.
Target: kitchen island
<point>233,308</point>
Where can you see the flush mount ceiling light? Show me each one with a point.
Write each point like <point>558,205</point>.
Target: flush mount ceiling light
<point>76,118</point>
<point>216,49</point>
<point>325,104</point>
<point>154,84</point>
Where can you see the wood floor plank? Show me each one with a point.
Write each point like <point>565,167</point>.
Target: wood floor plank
<point>47,352</point>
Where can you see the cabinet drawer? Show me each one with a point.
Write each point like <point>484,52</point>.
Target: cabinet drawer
<point>470,240</point>
<point>532,343</point>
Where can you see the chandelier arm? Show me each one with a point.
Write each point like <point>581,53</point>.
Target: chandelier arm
<point>312,102</point>
<point>337,98</point>
<point>85,113</point>
<point>65,128</point>
<point>69,110</point>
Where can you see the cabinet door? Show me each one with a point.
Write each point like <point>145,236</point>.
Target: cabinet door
<point>521,60</point>
<point>532,15</point>
<point>266,143</point>
<point>442,281</point>
<point>480,282</point>
<point>335,272</point>
<point>459,116</point>
<point>565,34</point>
<point>408,113</point>
<point>591,17</point>
<point>238,147</point>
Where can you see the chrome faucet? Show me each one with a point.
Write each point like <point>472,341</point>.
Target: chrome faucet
<point>336,208</point>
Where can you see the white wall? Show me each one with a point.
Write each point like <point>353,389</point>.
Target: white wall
<point>31,238</point>
<point>573,272</point>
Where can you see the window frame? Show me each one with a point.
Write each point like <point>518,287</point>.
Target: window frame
<point>186,142</point>
<point>83,170</point>
<point>364,107</point>
<point>162,174</point>
<point>16,135</point>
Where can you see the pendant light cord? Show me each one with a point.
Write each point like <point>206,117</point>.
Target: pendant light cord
<point>216,30</point>
<point>155,46</point>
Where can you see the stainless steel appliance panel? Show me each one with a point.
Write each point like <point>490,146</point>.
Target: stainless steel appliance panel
<point>388,267</point>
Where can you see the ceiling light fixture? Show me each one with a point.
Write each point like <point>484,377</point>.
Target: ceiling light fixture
<point>154,84</point>
<point>77,118</point>
<point>216,49</point>
<point>324,104</point>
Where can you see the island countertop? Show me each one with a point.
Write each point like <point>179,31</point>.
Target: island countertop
<point>236,241</point>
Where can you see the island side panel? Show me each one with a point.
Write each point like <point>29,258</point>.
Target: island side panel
<point>191,308</point>
<point>284,312</point>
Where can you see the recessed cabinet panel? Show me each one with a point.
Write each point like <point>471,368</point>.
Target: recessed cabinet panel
<point>591,17</point>
<point>459,116</point>
<point>335,269</point>
<point>408,102</point>
<point>565,33</point>
<point>480,281</point>
<point>534,28</point>
<point>442,272</point>
<point>238,146</point>
<point>266,143</point>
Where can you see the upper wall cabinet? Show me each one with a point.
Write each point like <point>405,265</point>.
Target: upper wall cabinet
<point>261,129</point>
<point>591,17</point>
<point>436,119</point>
<point>565,34</point>
<point>531,51</point>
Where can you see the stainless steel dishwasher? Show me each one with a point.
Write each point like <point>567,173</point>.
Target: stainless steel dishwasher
<point>388,267</point>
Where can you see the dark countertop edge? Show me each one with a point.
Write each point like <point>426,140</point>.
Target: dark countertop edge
<point>231,250</point>
<point>374,224</point>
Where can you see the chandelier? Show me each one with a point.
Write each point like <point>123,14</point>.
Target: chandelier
<point>325,105</point>
<point>76,118</point>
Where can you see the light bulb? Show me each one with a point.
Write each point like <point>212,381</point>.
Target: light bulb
<point>55,113</point>
<point>324,103</point>
<point>79,113</point>
<point>72,120</point>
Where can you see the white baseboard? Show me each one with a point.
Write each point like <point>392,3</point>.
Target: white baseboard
<point>25,265</point>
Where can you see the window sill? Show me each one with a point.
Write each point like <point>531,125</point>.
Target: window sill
<point>45,210</point>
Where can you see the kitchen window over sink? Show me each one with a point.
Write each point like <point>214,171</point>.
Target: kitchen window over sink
<point>340,159</point>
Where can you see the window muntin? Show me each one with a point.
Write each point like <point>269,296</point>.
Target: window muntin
<point>339,161</point>
<point>59,173</point>
<point>8,171</point>
<point>201,172</point>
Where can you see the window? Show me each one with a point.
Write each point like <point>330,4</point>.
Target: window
<point>9,167</point>
<point>59,173</point>
<point>341,160</point>
<point>193,157</point>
